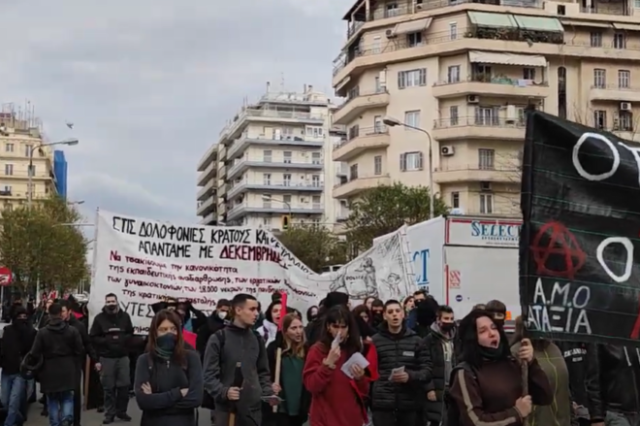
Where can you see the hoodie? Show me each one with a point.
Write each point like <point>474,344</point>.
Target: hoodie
<point>111,333</point>
<point>17,340</point>
<point>441,352</point>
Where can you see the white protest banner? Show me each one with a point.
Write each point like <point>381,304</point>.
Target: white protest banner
<point>144,261</point>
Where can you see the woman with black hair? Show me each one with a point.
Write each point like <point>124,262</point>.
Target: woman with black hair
<point>269,327</point>
<point>486,388</point>
<point>312,314</point>
<point>337,399</point>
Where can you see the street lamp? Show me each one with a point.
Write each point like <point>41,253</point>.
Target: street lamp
<point>69,142</point>
<point>75,203</point>
<point>392,122</point>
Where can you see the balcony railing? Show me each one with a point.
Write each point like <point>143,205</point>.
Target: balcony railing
<point>269,113</point>
<point>363,132</point>
<point>285,184</point>
<point>606,10</point>
<point>360,94</point>
<point>509,81</point>
<point>446,123</point>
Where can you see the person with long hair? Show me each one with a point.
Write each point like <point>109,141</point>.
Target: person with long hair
<point>296,400</point>
<point>361,311</point>
<point>272,317</point>
<point>408,304</point>
<point>169,379</point>
<point>486,388</point>
<point>336,397</point>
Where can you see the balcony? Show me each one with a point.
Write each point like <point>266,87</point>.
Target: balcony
<point>272,186</point>
<point>207,190</point>
<point>241,210</point>
<point>358,185</point>
<point>474,173</point>
<point>207,206</point>
<point>371,138</point>
<point>208,173</point>
<point>232,130</point>
<point>240,145</point>
<point>477,128</point>
<point>355,106</point>
<point>210,155</point>
<point>503,87</point>
<point>210,219</point>
<point>614,93</point>
<point>264,163</point>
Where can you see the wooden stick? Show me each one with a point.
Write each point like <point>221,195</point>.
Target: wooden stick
<point>278,370</point>
<point>232,419</point>
<point>524,378</point>
<point>87,371</point>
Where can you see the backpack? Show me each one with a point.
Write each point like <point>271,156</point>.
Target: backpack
<point>451,413</point>
<point>207,400</point>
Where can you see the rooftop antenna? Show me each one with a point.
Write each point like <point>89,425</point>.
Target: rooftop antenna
<point>282,82</point>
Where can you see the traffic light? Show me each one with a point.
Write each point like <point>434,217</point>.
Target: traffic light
<point>286,219</point>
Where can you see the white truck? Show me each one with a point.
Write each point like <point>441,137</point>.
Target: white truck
<point>463,261</point>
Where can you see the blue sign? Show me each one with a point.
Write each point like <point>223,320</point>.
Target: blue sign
<point>421,267</point>
<point>459,298</point>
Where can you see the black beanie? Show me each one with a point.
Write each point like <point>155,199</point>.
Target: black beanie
<point>335,298</point>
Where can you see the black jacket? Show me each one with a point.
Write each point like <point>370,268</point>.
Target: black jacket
<point>397,350</point>
<point>60,346</point>
<point>17,340</point>
<point>86,342</point>
<point>584,380</point>
<point>213,324</point>
<point>434,343</point>
<point>111,334</point>
<point>619,372</point>
<point>305,397</point>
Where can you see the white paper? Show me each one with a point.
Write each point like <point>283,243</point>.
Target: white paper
<point>336,341</point>
<point>356,359</point>
<point>396,371</point>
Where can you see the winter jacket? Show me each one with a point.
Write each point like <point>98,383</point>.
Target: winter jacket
<point>584,380</point>
<point>551,361</point>
<point>488,394</point>
<point>86,343</point>
<point>17,340</point>
<point>407,350</point>
<point>111,334</point>
<point>60,346</point>
<point>441,351</point>
<point>619,379</point>
<point>336,399</point>
<point>208,329</point>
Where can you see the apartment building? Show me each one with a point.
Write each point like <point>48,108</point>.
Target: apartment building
<point>464,72</point>
<point>20,131</point>
<point>272,162</point>
<point>207,195</point>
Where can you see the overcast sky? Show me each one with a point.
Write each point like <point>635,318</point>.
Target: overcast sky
<point>149,83</point>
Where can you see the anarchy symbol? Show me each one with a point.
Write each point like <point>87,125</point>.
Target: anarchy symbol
<point>561,243</point>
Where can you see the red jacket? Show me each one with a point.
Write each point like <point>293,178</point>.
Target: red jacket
<point>336,399</point>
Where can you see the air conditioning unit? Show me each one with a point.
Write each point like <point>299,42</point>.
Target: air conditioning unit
<point>473,99</point>
<point>625,106</point>
<point>485,186</point>
<point>390,33</point>
<point>447,151</point>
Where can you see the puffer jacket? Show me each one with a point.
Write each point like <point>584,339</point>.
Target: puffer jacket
<point>441,351</point>
<point>397,350</point>
<point>619,379</point>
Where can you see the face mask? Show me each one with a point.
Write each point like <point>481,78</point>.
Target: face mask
<point>20,322</point>
<point>499,323</point>
<point>166,342</point>
<point>446,326</point>
<point>112,308</point>
<point>222,315</point>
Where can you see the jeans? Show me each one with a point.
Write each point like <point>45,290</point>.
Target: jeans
<point>60,406</point>
<point>14,397</point>
<point>115,379</point>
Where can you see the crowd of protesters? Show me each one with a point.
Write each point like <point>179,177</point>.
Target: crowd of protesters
<point>386,363</point>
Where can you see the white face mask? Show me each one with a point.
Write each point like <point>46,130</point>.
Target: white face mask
<point>222,315</point>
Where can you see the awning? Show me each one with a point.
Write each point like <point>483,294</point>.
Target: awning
<point>477,57</point>
<point>628,27</point>
<point>416,26</point>
<point>587,24</point>
<point>538,23</point>
<point>486,19</point>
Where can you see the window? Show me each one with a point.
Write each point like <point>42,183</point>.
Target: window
<point>453,115</point>
<point>376,45</point>
<point>480,72</point>
<point>316,201</point>
<point>286,200</point>
<point>8,169</point>
<point>266,156</point>
<point>7,188</point>
<point>412,78</point>
<point>377,85</point>
<point>377,165</point>
<point>287,179</point>
<point>596,39</point>
<point>266,178</point>
<point>561,9</point>
<point>266,221</point>
<point>412,118</point>
<point>487,116</point>
<point>619,41</point>
<point>411,161</point>
<point>624,79</point>
<point>316,158</point>
<point>600,119</point>
<point>391,10</point>
<point>9,147</point>
<point>314,131</point>
<point>414,39</point>
<point>27,150</point>
<point>315,181</point>
<point>378,125</point>
<point>486,159</point>
<point>354,131</point>
<point>353,172</point>
<point>486,203</point>
<point>453,74</point>
<point>453,30</point>
<point>625,122</point>
<point>287,157</point>
<point>529,73</point>
<point>266,201</point>
<point>455,200</point>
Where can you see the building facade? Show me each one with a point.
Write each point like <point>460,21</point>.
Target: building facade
<point>465,71</point>
<point>272,162</point>
<point>207,195</point>
<point>20,132</point>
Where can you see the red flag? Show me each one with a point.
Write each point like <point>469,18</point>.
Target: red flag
<point>189,338</point>
<point>283,310</point>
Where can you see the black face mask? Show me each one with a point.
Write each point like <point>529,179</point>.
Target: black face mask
<point>111,308</point>
<point>377,319</point>
<point>20,323</point>
<point>499,323</point>
<point>447,326</point>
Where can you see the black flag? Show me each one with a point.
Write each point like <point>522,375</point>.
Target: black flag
<point>580,240</point>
